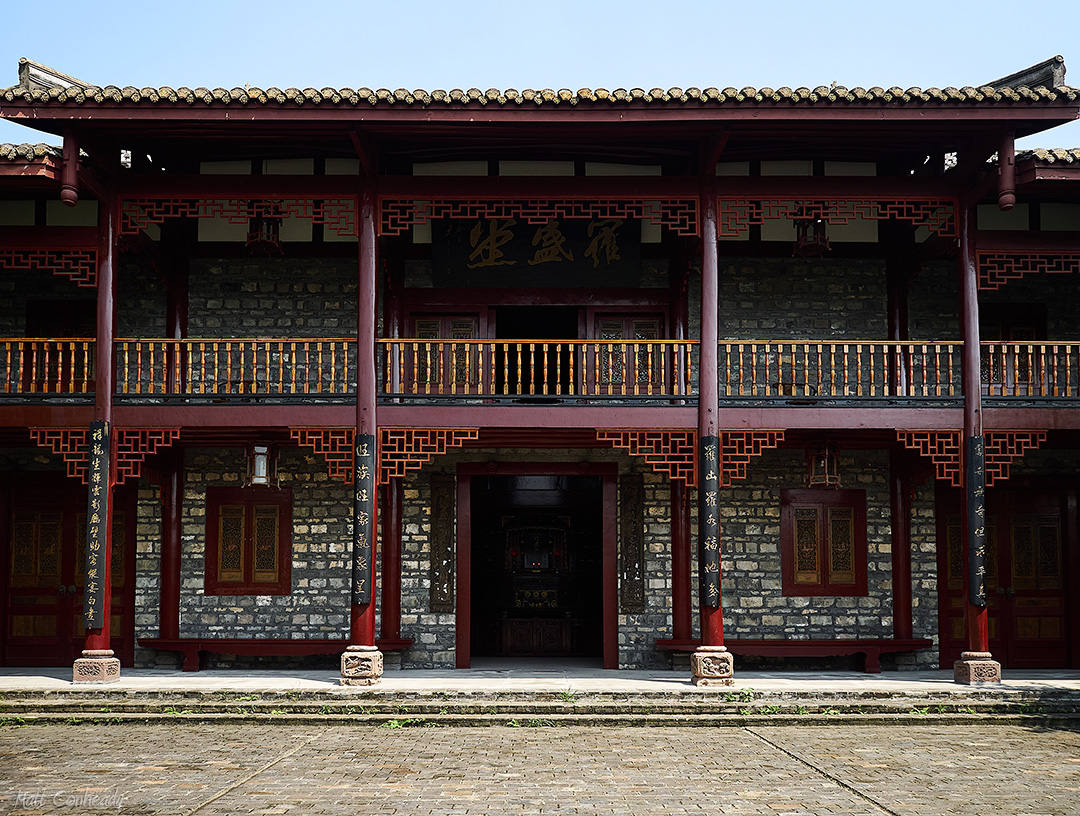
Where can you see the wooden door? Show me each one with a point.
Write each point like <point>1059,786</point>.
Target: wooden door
<point>40,583</point>
<point>1027,606</point>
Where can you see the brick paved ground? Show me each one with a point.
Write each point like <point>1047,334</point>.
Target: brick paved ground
<point>160,769</point>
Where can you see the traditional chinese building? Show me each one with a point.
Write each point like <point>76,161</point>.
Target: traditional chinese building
<point>784,375</point>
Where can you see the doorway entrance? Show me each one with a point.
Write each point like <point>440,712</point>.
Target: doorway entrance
<point>1028,607</point>
<point>43,544</point>
<point>535,371</point>
<point>536,561</point>
<point>537,554</point>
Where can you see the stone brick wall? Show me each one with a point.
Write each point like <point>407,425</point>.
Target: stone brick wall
<point>321,544</point>
<point>754,605</point>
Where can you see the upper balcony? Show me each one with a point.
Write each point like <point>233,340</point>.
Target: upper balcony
<point>469,371</point>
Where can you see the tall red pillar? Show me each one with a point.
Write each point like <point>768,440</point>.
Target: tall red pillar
<point>976,664</point>
<point>390,520</point>
<point>362,663</point>
<point>711,663</point>
<point>98,663</point>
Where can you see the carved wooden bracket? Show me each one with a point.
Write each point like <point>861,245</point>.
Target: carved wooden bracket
<point>337,214</point>
<point>1002,447</point>
<point>997,267</point>
<point>941,447</point>
<point>737,448</point>
<point>670,451</point>
<point>69,443</point>
<point>936,214</point>
<point>404,449</point>
<point>336,445</point>
<point>79,265</point>
<point>133,445</point>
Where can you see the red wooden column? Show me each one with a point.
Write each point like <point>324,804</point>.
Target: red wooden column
<point>390,520</point>
<point>711,664</point>
<point>681,622</point>
<point>976,665</point>
<point>362,663</point>
<point>98,664</point>
<point>900,524</point>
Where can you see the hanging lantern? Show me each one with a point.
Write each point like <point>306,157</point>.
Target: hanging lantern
<point>262,467</point>
<point>264,234</point>
<point>824,460</point>
<point>810,238</point>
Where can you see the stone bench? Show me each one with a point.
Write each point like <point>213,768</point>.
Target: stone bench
<point>870,648</point>
<point>272,647</point>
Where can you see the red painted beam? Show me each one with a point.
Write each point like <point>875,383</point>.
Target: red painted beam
<point>49,237</point>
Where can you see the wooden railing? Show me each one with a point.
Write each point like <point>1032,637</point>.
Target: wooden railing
<point>516,369</point>
<point>1037,370</point>
<point>236,368</point>
<point>47,366</point>
<point>538,369</point>
<point>787,369</point>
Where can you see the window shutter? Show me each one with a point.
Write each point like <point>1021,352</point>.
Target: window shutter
<point>807,527</point>
<point>231,543</point>
<point>265,544</point>
<point>841,545</point>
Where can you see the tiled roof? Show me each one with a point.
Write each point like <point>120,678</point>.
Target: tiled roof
<point>822,95</point>
<point>26,152</point>
<point>1054,155</point>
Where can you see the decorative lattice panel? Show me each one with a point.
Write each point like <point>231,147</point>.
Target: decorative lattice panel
<point>133,445</point>
<point>69,443</point>
<point>335,445</point>
<point>397,215</point>
<point>339,214</point>
<point>942,448</point>
<point>672,451</point>
<point>738,447</point>
<point>1002,447</point>
<point>79,265</point>
<point>998,268</point>
<point>938,214</point>
<point>404,449</point>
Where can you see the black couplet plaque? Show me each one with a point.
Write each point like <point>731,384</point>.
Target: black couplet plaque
<point>975,478</point>
<point>709,521</point>
<point>97,525</point>
<point>363,519</point>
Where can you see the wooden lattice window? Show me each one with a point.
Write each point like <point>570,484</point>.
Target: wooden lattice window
<point>628,352</point>
<point>442,355</point>
<point>823,542</point>
<point>248,541</point>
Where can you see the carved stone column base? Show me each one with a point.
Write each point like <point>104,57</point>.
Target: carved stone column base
<point>96,666</point>
<point>712,666</point>
<point>361,666</point>
<point>976,668</point>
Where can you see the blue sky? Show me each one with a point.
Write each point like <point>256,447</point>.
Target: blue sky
<point>553,44</point>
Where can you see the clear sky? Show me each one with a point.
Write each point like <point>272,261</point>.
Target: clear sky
<point>556,44</point>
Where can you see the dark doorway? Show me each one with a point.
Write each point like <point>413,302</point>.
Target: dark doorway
<point>537,573</point>
<point>540,369</point>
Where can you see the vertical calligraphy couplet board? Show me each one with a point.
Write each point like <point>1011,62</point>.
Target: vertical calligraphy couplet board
<point>363,519</point>
<point>709,522</point>
<point>97,525</point>
<point>975,481</point>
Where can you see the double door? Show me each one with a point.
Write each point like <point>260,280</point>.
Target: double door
<point>44,547</point>
<point>1028,605</point>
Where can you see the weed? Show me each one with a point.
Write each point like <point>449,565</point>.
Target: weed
<point>278,711</point>
<point>771,709</point>
<point>410,722</point>
<point>514,724</point>
<point>325,709</point>
<point>247,697</point>
<point>12,722</point>
<point>536,722</point>
<point>745,695</point>
<point>830,711</point>
<point>567,696</point>
<point>917,710</point>
<point>106,710</point>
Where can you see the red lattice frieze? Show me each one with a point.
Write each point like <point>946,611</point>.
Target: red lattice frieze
<point>737,214</point>
<point>133,445</point>
<point>671,451</point>
<point>942,448</point>
<point>998,268</point>
<point>335,445</point>
<point>738,447</point>
<point>70,443</point>
<point>1002,447</point>
<point>79,265</point>
<point>397,215</point>
<point>339,214</point>
<point>404,449</point>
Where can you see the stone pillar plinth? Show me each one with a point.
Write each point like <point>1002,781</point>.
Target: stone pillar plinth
<point>712,666</point>
<point>361,666</point>
<point>976,668</point>
<point>96,666</point>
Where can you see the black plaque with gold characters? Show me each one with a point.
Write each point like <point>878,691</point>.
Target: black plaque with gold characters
<point>975,477</point>
<point>709,521</point>
<point>363,515</point>
<point>97,525</point>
